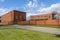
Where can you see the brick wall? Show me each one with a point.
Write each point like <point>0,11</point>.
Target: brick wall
<point>24,22</point>
<point>40,19</point>
<point>13,17</point>
<point>19,16</point>
<point>7,18</point>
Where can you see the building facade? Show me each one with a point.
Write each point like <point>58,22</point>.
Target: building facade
<point>0,19</point>
<point>46,19</point>
<point>13,17</point>
<point>19,17</point>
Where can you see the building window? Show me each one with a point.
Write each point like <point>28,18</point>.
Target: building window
<point>16,17</point>
<point>53,16</point>
<point>20,17</point>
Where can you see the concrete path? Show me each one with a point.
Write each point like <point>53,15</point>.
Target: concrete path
<point>41,29</point>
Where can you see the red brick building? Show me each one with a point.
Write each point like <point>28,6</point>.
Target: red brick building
<point>19,17</point>
<point>46,19</point>
<point>0,19</point>
<point>13,17</point>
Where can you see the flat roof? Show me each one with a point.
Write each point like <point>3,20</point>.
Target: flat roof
<point>13,11</point>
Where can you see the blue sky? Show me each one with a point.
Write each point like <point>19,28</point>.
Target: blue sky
<point>32,7</point>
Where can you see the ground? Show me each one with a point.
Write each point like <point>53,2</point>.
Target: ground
<point>9,33</point>
<point>49,26</point>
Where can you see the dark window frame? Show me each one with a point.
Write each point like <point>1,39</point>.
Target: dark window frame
<point>54,16</point>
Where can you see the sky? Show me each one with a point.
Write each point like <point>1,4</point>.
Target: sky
<point>31,7</point>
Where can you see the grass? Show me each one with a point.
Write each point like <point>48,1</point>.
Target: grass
<point>50,26</point>
<point>9,33</point>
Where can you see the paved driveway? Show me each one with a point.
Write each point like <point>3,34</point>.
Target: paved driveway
<point>41,29</point>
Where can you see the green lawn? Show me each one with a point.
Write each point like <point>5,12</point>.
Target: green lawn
<point>8,33</point>
<point>51,26</point>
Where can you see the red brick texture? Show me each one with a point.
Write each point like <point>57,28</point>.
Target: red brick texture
<point>24,22</point>
<point>45,19</point>
<point>7,18</point>
<point>19,17</point>
<point>13,17</point>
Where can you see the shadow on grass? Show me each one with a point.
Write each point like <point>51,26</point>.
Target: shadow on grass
<point>57,35</point>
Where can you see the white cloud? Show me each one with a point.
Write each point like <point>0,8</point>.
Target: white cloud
<point>29,14</point>
<point>3,11</point>
<point>53,7</point>
<point>32,4</point>
<point>42,9</point>
<point>6,10</point>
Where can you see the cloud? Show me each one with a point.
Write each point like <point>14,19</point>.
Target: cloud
<point>41,8</point>
<point>3,11</point>
<point>6,10</point>
<point>29,14</point>
<point>53,7</point>
<point>30,7</point>
<point>31,4</point>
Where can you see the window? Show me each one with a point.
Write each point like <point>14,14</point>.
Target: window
<point>20,17</point>
<point>16,17</point>
<point>53,16</point>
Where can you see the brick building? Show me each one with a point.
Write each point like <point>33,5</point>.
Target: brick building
<point>13,17</point>
<point>0,19</point>
<point>19,17</point>
<point>46,19</point>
